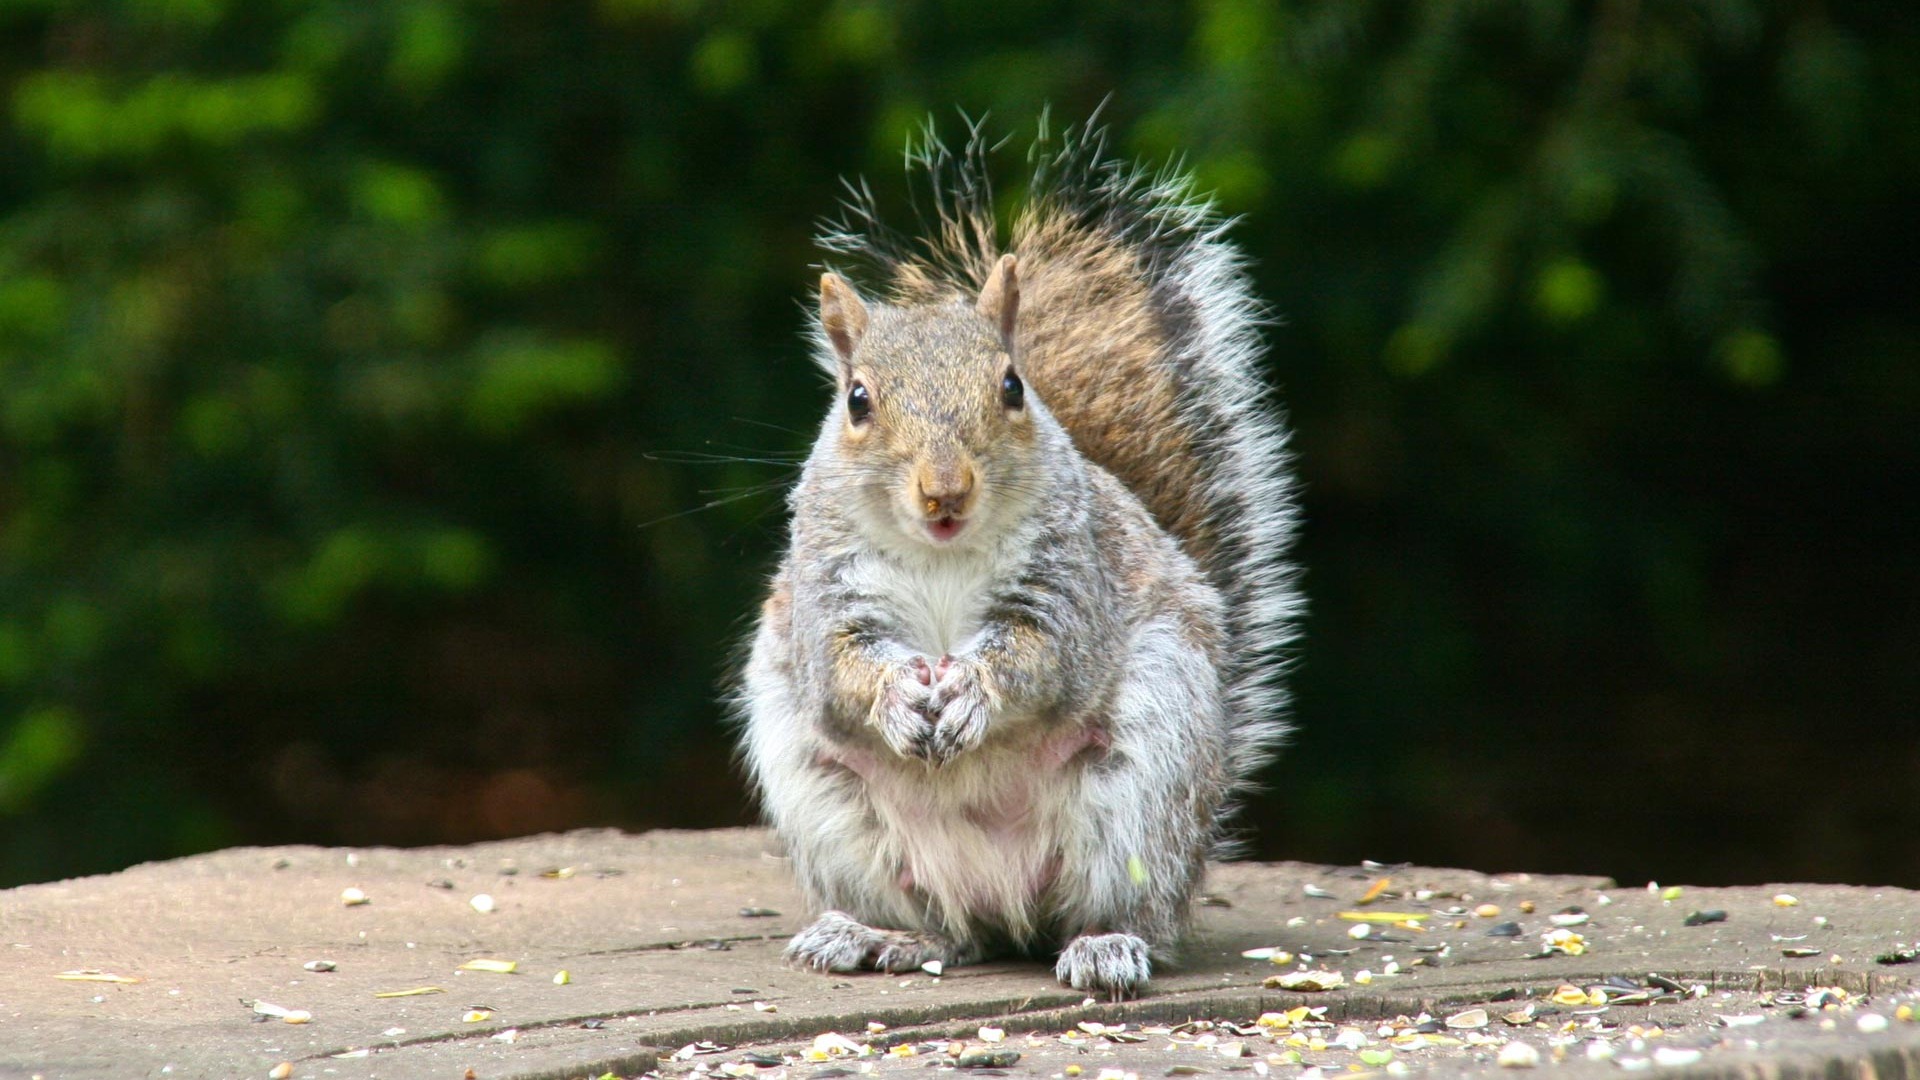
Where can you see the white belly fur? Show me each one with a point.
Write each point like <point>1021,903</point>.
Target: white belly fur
<point>979,839</point>
<point>938,601</point>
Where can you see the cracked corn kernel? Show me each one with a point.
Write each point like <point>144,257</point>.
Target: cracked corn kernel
<point>1569,994</point>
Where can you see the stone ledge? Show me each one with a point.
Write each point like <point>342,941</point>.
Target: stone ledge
<point>651,931</point>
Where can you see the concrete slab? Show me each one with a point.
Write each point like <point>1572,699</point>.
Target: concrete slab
<point>666,945</point>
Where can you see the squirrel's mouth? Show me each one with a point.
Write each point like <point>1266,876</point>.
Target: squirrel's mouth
<point>946,528</point>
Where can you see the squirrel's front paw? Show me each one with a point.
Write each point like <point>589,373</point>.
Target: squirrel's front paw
<point>1116,965</point>
<point>961,707</point>
<point>902,706</point>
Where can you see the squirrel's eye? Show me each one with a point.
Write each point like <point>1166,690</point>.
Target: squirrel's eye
<point>1013,393</point>
<point>859,405</point>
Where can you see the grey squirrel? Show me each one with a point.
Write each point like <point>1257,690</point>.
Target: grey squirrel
<point>1025,645</point>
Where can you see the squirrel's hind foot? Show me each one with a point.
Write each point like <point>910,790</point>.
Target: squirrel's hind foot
<point>1114,965</point>
<point>838,942</point>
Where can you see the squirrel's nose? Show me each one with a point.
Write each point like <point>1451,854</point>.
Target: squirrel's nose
<point>945,492</point>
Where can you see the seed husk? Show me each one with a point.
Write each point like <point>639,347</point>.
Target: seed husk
<point>1305,981</point>
<point>1472,1018</point>
<point>1705,916</point>
<point>91,975</point>
<point>1518,1055</point>
<point>497,967</point>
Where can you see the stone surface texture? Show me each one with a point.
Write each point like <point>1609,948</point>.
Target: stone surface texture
<point>666,945</point>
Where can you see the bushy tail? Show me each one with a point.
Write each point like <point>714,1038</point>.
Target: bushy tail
<point>1139,329</point>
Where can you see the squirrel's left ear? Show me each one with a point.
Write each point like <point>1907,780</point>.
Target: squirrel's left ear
<point>1000,300</point>
<point>843,318</point>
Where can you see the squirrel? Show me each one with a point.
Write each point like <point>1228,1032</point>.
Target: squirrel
<point>1025,645</point>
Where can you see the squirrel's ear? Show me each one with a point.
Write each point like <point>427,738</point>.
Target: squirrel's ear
<point>1000,300</point>
<point>843,317</point>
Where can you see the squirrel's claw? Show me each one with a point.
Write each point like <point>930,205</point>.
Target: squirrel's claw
<point>902,711</point>
<point>961,708</point>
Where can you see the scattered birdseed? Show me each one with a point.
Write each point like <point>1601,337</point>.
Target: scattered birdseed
<point>1705,916</point>
<point>1374,891</point>
<point>1785,900</point>
<point>482,903</point>
<point>1904,1013</point>
<point>497,967</point>
<point>765,1007</point>
<point>280,1071</point>
<point>1676,1056</point>
<point>353,897</point>
<point>988,1059</point>
<point>933,968</point>
<point>320,965</point>
<point>1518,1055</point>
<point>507,1036</point>
<point>1487,911</point>
<point>1359,931</point>
<point>1526,907</point>
<point>1672,892</point>
<point>1796,954</point>
<point>1871,1023</point>
<point>1569,917</point>
<point>475,1016</point>
<point>1315,892</point>
<point>562,977</point>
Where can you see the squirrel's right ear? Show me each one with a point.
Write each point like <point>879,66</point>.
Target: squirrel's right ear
<point>843,317</point>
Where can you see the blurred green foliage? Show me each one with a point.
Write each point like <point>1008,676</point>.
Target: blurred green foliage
<point>355,361</point>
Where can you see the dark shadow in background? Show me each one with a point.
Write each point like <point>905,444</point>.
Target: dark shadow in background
<point>351,360</point>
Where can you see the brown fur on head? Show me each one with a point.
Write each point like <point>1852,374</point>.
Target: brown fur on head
<point>934,416</point>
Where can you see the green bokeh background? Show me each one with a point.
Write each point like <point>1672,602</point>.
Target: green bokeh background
<point>356,361</point>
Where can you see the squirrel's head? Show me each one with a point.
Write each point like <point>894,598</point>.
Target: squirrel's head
<point>936,429</point>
